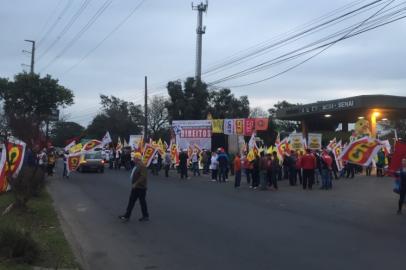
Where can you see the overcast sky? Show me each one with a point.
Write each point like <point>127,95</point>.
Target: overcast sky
<point>159,41</point>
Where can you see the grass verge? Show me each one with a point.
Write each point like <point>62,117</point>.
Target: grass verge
<point>41,220</point>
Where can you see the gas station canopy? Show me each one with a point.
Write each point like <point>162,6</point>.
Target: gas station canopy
<point>327,114</point>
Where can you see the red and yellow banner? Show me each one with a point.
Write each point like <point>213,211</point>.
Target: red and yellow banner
<point>361,151</point>
<point>148,155</point>
<point>174,153</point>
<point>337,153</point>
<point>16,152</point>
<point>283,148</point>
<point>239,126</point>
<point>73,162</point>
<point>92,144</point>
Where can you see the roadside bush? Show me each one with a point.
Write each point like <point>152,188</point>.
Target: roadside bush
<point>30,182</point>
<point>17,246</point>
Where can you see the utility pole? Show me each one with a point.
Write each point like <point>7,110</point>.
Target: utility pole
<point>32,55</point>
<point>146,112</point>
<point>200,30</point>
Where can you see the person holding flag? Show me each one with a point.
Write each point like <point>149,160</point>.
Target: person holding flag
<point>195,163</point>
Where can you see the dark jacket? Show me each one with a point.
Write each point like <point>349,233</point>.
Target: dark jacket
<point>223,160</point>
<point>183,159</point>
<point>402,178</point>
<point>139,176</point>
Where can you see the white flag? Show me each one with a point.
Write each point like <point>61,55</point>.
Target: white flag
<point>229,126</point>
<point>106,139</point>
<point>69,146</point>
<point>252,144</point>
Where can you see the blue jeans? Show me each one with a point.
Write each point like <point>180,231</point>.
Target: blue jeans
<point>264,179</point>
<point>326,179</point>
<point>195,167</point>
<point>222,174</point>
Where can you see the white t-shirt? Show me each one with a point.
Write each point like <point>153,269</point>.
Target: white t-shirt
<point>214,163</point>
<point>155,160</point>
<point>195,157</point>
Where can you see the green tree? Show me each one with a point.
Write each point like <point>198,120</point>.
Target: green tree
<point>189,102</point>
<point>258,112</point>
<point>223,104</point>
<point>119,117</point>
<point>158,124</point>
<point>282,125</point>
<point>62,131</point>
<point>28,102</point>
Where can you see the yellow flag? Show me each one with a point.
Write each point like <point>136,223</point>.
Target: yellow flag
<point>251,155</point>
<point>217,125</point>
<point>76,148</point>
<point>161,145</point>
<point>271,149</point>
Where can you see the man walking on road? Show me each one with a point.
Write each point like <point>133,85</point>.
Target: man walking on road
<point>138,190</point>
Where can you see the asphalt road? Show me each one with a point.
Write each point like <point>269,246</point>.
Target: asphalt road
<point>197,224</point>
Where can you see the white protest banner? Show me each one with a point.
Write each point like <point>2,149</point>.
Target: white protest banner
<point>296,141</point>
<point>135,140</point>
<point>314,142</point>
<point>193,132</point>
<point>229,126</point>
<point>106,139</point>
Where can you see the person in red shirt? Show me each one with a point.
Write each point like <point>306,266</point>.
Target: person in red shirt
<point>237,171</point>
<point>309,164</point>
<point>246,167</point>
<point>299,167</point>
<point>326,166</point>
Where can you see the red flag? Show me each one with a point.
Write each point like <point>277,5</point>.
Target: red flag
<point>398,155</point>
<point>261,124</point>
<point>249,126</point>
<point>148,155</point>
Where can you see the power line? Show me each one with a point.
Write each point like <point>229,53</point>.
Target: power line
<point>67,26</point>
<point>48,20</point>
<point>55,23</point>
<point>268,63</point>
<point>234,56</point>
<point>291,40</point>
<point>321,51</point>
<point>115,29</point>
<point>84,29</point>
<point>312,29</point>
